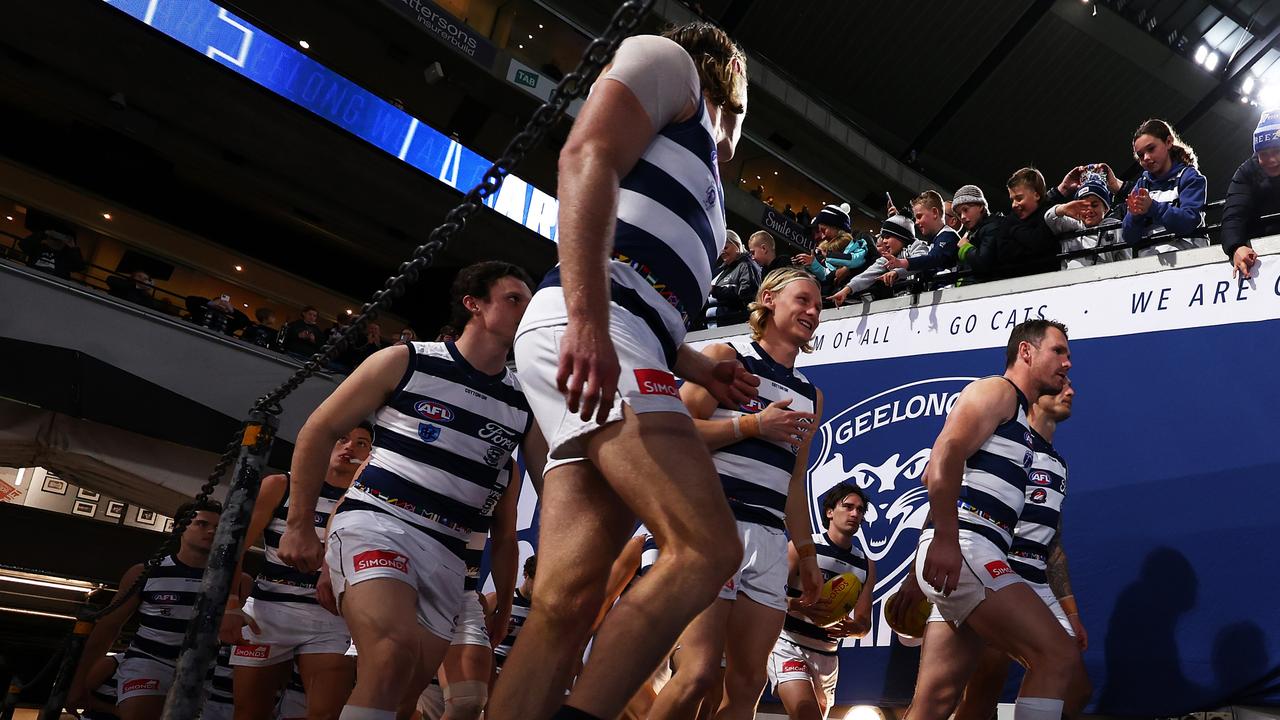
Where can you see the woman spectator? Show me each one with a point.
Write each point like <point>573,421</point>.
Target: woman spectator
<point>837,255</point>
<point>1254,194</point>
<point>734,285</point>
<point>1169,195</point>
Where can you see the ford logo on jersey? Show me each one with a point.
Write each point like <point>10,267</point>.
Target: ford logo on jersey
<point>433,411</point>
<point>428,432</point>
<point>881,442</point>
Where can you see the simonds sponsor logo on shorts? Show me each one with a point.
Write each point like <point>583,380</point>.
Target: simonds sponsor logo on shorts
<point>140,684</point>
<point>998,568</point>
<point>255,652</point>
<point>794,666</point>
<point>656,382</point>
<point>371,559</point>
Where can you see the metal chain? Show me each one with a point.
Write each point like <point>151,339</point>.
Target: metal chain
<point>594,59</point>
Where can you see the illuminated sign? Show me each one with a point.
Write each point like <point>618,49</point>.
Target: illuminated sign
<point>271,63</point>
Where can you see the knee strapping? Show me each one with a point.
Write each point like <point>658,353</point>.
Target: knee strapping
<point>465,700</point>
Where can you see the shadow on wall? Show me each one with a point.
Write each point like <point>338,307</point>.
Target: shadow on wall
<point>1144,672</point>
<point>1241,663</point>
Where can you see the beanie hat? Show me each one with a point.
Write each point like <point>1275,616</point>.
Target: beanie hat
<point>901,227</point>
<point>968,194</point>
<point>837,216</point>
<point>1094,183</point>
<point>1268,133</point>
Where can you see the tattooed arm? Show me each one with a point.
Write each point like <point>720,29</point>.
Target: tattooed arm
<point>1060,584</point>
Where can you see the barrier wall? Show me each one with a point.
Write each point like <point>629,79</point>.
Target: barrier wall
<point>1173,465</point>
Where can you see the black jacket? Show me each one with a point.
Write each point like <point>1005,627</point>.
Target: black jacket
<point>735,286</point>
<point>1018,248</point>
<point>1252,194</point>
<point>41,255</point>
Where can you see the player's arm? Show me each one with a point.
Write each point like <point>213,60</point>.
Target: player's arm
<point>99,672</point>
<point>1060,584</point>
<point>701,403</point>
<point>797,510</point>
<point>504,557</point>
<point>533,454</point>
<point>621,116</point>
<point>980,409</point>
<point>363,392</point>
<point>861,620</point>
<point>103,634</point>
<point>623,569</point>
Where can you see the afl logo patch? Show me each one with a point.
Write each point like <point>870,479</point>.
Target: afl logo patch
<point>752,406</point>
<point>1026,436</point>
<point>1039,495</point>
<point>1040,477</point>
<point>433,411</point>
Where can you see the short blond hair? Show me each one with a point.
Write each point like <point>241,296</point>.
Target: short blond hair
<point>773,283</point>
<point>760,237</point>
<point>929,199</point>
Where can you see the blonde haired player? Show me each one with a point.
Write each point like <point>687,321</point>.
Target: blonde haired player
<point>760,450</point>
<point>804,666</point>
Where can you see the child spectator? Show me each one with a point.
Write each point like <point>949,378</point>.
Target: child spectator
<point>1169,195</point>
<point>764,253</point>
<point>302,337</point>
<point>262,332</point>
<point>1088,211</point>
<point>1023,244</point>
<point>897,238</point>
<point>1254,193</point>
<point>943,241</point>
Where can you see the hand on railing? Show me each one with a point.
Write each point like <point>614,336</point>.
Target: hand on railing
<point>1243,261</point>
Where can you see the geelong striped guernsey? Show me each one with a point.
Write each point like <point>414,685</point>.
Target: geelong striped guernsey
<point>519,613</point>
<point>993,489</point>
<point>755,472</point>
<point>833,560</point>
<point>442,446</point>
<point>220,686</point>
<point>167,601</point>
<point>106,693</point>
<point>278,582</point>
<point>1038,524</point>
<point>670,230</point>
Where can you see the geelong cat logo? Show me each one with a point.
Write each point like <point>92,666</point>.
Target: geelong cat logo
<point>882,444</point>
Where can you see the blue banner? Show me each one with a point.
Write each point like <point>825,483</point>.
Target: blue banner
<point>218,34</point>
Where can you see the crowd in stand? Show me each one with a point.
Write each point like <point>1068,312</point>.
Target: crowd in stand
<point>964,240</point>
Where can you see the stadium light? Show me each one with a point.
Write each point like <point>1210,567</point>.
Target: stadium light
<point>1211,62</point>
<point>1202,53</point>
<point>1247,86</point>
<point>863,712</point>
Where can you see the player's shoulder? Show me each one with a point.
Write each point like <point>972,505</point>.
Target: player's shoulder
<point>660,52</point>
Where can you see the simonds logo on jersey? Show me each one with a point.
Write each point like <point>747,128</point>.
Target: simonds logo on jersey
<point>881,442</point>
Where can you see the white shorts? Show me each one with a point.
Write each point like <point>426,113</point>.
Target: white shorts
<point>142,677</point>
<point>645,383</point>
<point>431,702</point>
<point>470,629</point>
<point>364,545</point>
<point>984,567</point>
<point>288,630</point>
<point>763,575</point>
<point>789,662</point>
<point>1045,593</point>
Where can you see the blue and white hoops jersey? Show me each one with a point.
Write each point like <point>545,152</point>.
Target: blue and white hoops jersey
<point>669,233</point>
<point>167,601</point>
<point>755,472</point>
<point>442,446</point>
<point>833,560</point>
<point>1038,524</point>
<point>520,606</point>
<point>279,582</point>
<point>992,491</point>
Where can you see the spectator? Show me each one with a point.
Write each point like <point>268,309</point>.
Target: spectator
<point>838,255</point>
<point>136,288</point>
<point>949,215</point>
<point>804,217</point>
<point>764,252</point>
<point>1254,194</point>
<point>1169,195</point>
<point>447,333</point>
<point>407,336</point>
<point>977,224</point>
<point>370,342</point>
<point>787,212</point>
<point>219,314</point>
<point>1024,244</point>
<point>263,332</point>
<point>943,241</point>
<point>1066,190</point>
<point>1088,211</point>
<point>734,285</point>
<point>53,252</point>
<point>897,238</point>
<point>301,338</point>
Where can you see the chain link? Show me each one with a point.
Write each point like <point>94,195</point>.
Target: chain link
<point>594,59</point>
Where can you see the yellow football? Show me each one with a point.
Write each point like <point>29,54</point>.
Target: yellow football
<point>842,592</point>
<point>915,617</point>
